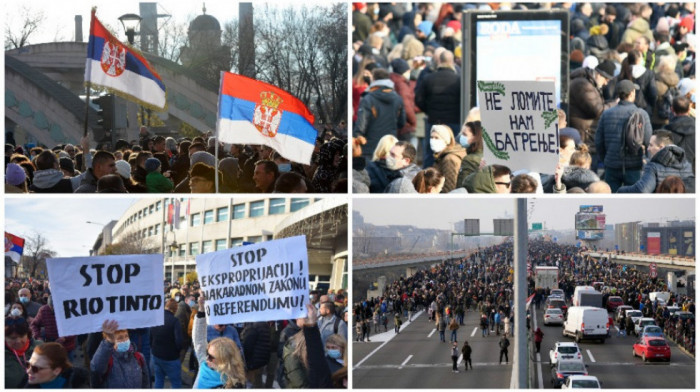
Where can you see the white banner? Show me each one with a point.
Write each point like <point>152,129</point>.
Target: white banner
<point>259,282</point>
<point>86,291</point>
<point>520,124</point>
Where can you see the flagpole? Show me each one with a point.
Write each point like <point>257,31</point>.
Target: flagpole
<point>216,165</point>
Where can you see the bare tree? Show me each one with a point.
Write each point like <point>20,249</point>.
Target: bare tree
<point>36,252</point>
<point>133,243</point>
<point>171,38</point>
<point>18,35</point>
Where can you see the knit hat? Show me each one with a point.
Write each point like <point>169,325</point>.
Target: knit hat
<point>67,165</point>
<point>443,131</point>
<point>15,175</point>
<point>590,62</point>
<point>201,169</point>
<point>687,22</point>
<point>399,66</point>
<point>606,68</point>
<point>426,27</point>
<point>456,26</point>
<point>124,169</point>
<point>203,156</point>
<point>152,164</point>
<point>576,56</point>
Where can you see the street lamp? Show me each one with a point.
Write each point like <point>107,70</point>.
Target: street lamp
<point>173,251</point>
<point>131,23</point>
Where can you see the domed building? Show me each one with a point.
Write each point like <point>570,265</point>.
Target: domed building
<point>204,52</point>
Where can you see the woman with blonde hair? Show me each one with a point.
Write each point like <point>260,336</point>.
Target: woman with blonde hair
<point>383,147</point>
<point>220,361</point>
<point>303,359</point>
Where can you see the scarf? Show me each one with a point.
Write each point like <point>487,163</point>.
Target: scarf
<point>208,377</point>
<point>56,383</point>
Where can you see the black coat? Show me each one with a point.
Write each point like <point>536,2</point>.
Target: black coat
<point>166,340</point>
<point>256,342</point>
<point>683,130</point>
<point>438,95</point>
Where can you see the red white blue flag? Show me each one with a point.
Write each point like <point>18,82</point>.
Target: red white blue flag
<point>254,112</point>
<point>119,68</point>
<point>14,246</point>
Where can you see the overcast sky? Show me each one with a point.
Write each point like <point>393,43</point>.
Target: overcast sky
<point>63,220</point>
<point>59,21</point>
<point>558,213</point>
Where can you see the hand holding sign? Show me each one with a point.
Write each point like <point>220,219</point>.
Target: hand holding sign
<point>311,318</point>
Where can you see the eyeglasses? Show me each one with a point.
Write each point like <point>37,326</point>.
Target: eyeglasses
<point>14,321</point>
<point>506,184</point>
<point>34,368</point>
<point>211,358</point>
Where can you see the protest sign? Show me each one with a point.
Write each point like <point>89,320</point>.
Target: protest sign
<point>258,282</point>
<point>86,291</point>
<point>520,124</point>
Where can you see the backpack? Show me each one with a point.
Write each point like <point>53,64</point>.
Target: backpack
<point>335,325</point>
<point>633,135</point>
<point>665,102</point>
<point>98,381</point>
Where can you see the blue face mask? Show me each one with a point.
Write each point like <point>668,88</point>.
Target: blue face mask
<point>123,347</point>
<point>24,300</point>
<point>335,354</point>
<point>192,304</point>
<point>463,141</point>
<point>284,167</point>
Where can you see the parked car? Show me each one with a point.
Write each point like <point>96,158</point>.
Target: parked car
<point>641,323</point>
<point>582,382</point>
<point>613,303</point>
<point>556,302</point>
<point>565,369</point>
<point>553,316</point>
<point>652,331</point>
<point>633,314</point>
<point>557,293</point>
<point>567,351</point>
<point>620,312</point>
<point>652,348</point>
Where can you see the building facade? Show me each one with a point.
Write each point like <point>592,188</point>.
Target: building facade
<point>202,225</point>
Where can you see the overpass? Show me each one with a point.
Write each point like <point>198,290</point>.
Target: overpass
<point>408,261</point>
<point>40,79</point>
<point>662,261</point>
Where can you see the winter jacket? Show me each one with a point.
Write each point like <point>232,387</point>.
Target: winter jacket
<point>319,373</point>
<point>636,29</point>
<point>448,162</point>
<point>647,94</point>
<point>404,184</point>
<point>380,176</point>
<point>404,89</point>
<point>76,378</point>
<point>575,176</point>
<point>585,103</point>
<point>16,372</point>
<point>381,112</point>
<point>125,373</point>
<point>438,96</point>
<point>183,316</point>
<point>608,136</point>
<point>180,167</point>
<point>362,25</point>
<point>326,324</point>
<point>156,182</point>
<point>467,352</point>
<point>470,164</point>
<point>228,332</point>
<point>295,374</point>
<point>46,319</point>
<point>360,181</point>
<point>481,181</point>
<point>167,339</point>
<point>89,183</point>
<point>256,345</point>
<point>327,173</point>
<point>50,181</point>
<point>669,161</point>
<point>683,130</point>
<point>664,80</point>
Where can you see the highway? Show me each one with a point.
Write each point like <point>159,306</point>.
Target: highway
<point>613,363</point>
<point>415,358</point>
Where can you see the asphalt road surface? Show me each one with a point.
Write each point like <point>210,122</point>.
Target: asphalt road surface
<point>613,364</point>
<point>415,358</point>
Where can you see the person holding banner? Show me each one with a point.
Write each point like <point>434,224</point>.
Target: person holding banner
<point>220,361</point>
<point>49,368</point>
<point>116,363</point>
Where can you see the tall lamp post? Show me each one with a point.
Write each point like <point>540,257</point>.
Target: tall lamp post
<point>131,22</point>
<point>173,251</point>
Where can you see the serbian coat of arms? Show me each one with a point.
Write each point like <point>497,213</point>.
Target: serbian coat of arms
<point>267,116</point>
<point>113,59</point>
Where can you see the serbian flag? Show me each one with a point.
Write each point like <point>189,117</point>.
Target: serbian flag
<point>14,246</point>
<point>176,214</point>
<point>119,68</point>
<point>253,112</point>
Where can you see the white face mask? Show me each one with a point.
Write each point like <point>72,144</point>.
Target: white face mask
<point>437,145</point>
<point>16,312</point>
<point>392,163</point>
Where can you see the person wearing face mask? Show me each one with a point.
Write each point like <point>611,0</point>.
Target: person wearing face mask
<point>128,368</point>
<point>401,158</point>
<point>470,137</point>
<point>667,159</point>
<point>17,310</point>
<point>448,155</point>
<point>335,352</point>
<point>25,297</point>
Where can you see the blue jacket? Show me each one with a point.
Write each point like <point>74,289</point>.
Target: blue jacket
<point>229,332</point>
<point>126,373</point>
<point>608,136</point>
<point>669,161</point>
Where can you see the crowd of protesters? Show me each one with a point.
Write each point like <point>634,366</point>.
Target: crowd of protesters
<point>633,285</point>
<point>309,352</point>
<point>158,164</point>
<point>624,58</point>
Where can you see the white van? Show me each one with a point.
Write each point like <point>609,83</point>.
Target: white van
<point>576,299</point>
<point>586,322</point>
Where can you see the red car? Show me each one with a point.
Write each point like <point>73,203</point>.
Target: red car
<point>613,303</point>
<point>652,348</point>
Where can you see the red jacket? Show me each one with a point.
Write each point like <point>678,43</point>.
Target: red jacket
<point>405,89</point>
<point>46,319</point>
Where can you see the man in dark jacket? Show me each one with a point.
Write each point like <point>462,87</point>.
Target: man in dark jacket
<point>667,160</point>
<point>503,344</point>
<point>403,87</point>
<point>48,178</point>
<point>438,96</point>
<point>608,139</point>
<point>256,347</point>
<point>102,164</point>
<point>166,342</point>
<point>682,129</point>
<point>381,112</point>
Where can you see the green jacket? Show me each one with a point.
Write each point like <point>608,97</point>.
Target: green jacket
<point>480,181</point>
<point>295,374</point>
<point>157,183</point>
<point>15,372</point>
<point>470,164</point>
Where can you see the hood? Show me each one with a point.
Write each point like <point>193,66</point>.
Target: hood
<point>682,125</point>
<point>585,73</point>
<point>639,25</point>
<point>383,83</point>
<point>670,156</point>
<point>480,181</point>
<point>575,176</point>
<point>408,18</point>
<point>47,178</point>
<point>669,78</point>
<point>410,171</point>
<point>456,149</point>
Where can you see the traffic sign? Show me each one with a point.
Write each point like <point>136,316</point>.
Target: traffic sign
<point>537,226</point>
<point>652,270</point>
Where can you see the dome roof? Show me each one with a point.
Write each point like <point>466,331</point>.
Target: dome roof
<point>205,23</point>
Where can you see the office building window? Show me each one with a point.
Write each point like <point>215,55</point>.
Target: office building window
<point>220,244</point>
<point>182,250</point>
<point>194,220</point>
<point>298,204</point>
<point>194,248</point>
<point>158,205</point>
<point>257,208</point>
<point>222,214</point>
<point>239,211</point>
<point>255,239</point>
<point>277,206</point>
<point>236,242</point>
<point>206,246</point>
<point>208,217</point>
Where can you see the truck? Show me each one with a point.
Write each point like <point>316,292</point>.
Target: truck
<point>587,296</point>
<point>546,277</point>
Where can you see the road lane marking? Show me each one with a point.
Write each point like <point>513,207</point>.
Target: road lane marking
<point>474,331</point>
<point>406,361</point>
<point>432,332</point>
<point>427,365</point>
<point>590,355</point>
